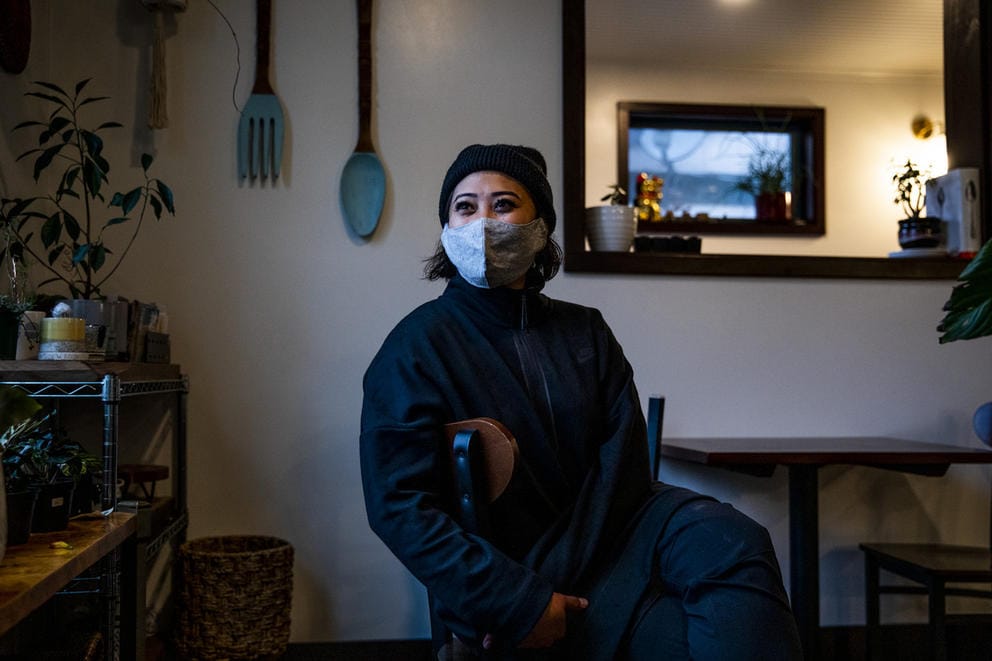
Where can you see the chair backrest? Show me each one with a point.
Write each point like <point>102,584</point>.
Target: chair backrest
<point>656,416</point>
<point>483,454</point>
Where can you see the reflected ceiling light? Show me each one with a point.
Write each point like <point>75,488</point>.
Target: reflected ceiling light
<point>925,128</point>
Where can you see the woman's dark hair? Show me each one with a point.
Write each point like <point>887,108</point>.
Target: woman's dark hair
<point>547,262</point>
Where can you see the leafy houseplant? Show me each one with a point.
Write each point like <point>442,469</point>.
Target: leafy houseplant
<point>911,195</point>
<point>616,196</point>
<point>38,456</point>
<point>968,311</point>
<point>767,180</point>
<point>68,221</point>
<point>915,230</point>
<point>17,506</point>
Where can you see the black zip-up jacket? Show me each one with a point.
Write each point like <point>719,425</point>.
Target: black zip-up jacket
<point>553,373</point>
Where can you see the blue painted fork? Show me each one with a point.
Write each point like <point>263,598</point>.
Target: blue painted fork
<point>260,129</point>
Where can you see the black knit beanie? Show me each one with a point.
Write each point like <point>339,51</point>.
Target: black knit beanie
<point>525,164</point>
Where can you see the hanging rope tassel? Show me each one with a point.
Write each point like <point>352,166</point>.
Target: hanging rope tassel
<point>158,114</point>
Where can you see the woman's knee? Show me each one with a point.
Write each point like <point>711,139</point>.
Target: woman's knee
<point>708,538</point>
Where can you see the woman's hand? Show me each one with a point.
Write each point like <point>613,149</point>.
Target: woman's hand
<point>550,628</point>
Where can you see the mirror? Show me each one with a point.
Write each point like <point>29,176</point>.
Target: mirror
<point>803,262</point>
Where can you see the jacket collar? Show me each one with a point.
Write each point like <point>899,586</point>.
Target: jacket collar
<point>515,308</point>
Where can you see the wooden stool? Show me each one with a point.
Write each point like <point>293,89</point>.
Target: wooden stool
<point>143,475</point>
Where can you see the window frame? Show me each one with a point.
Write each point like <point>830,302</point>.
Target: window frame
<point>806,123</point>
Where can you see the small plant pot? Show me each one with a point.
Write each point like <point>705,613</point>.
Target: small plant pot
<point>20,509</point>
<point>772,207</point>
<point>610,228</point>
<point>51,511</point>
<point>919,232</point>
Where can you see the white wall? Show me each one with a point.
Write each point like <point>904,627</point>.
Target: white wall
<point>276,310</point>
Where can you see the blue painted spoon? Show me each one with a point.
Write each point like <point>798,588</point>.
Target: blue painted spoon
<point>363,181</point>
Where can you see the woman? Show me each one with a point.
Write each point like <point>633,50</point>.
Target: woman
<point>588,559</point>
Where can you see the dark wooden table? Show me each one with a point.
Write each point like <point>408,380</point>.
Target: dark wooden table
<point>803,457</point>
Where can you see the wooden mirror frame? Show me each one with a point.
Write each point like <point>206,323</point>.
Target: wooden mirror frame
<point>968,124</point>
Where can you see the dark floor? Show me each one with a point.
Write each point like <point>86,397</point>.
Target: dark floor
<point>394,650</point>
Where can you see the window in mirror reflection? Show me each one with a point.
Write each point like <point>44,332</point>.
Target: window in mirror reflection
<point>727,169</point>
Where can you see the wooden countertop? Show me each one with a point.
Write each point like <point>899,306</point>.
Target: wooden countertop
<point>31,573</point>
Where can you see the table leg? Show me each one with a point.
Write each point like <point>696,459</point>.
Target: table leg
<point>804,555</point>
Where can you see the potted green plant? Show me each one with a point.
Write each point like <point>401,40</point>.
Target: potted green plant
<point>968,311</point>
<point>915,230</point>
<point>38,456</point>
<point>767,180</point>
<point>611,227</point>
<point>67,231</point>
<point>968,315</point>
<point>16,412</point>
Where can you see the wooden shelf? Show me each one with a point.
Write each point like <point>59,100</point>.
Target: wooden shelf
<point>74,370</point>
<point>32,573</point>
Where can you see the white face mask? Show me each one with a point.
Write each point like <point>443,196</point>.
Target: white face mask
<point>490,253</point>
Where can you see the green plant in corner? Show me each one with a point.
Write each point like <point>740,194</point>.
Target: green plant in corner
<point>67,221</point>
<point>968,311</point>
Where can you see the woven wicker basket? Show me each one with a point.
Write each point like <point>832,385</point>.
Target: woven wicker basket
<point>236,597</point>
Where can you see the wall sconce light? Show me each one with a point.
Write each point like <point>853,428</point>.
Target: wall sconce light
<point>925,128</point>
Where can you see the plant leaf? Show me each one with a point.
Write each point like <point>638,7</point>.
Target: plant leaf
<point>53,255</point>
<point>45,160</point>
<point>81,84</point>
<point>24,125</point>
<point>969,308</point>
<point>51,230</point>
<point>131,200</point>
<point>91,99</point>
<point>92,177</point>
<point>80,254</point>
<point>117,221</point>
<point>97,257</point>
<point>71,225</point>
<point>48,97</point>
<point>166,194</point>
<point>156,206</point>
<point>146,161</point>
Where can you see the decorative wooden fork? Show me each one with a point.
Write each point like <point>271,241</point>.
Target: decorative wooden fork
<point>260,129</point>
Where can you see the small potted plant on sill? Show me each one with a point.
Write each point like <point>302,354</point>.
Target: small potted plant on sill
<point>611,227</point>
<point>767,180</point>
<point>915,229</point>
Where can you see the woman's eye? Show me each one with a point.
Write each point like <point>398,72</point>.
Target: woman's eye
<point>504,205</point>
<point>464,207</point>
